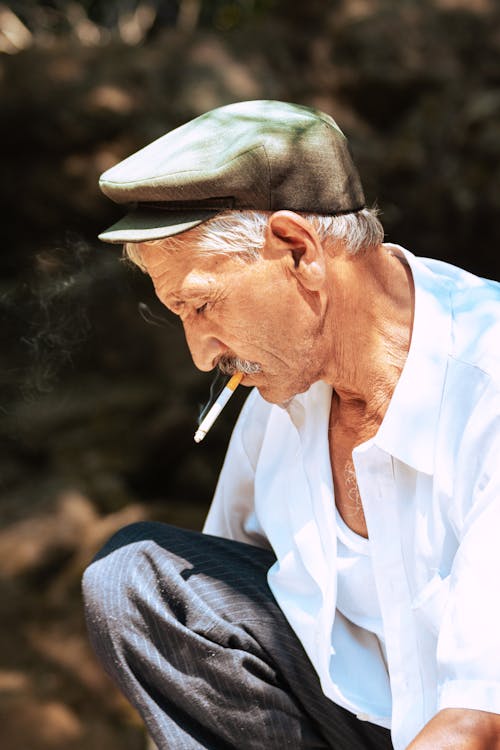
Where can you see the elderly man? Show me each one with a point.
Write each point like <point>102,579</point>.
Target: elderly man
<point>345,592</point>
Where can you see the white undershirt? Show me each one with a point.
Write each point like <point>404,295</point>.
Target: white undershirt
<point>357,597</point>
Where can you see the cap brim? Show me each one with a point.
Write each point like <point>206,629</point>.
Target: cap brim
<point>144,225</point>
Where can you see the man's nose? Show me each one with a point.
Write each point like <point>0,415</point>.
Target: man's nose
<point>205,348</point>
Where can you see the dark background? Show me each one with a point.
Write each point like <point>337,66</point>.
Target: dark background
<point>98,407</point>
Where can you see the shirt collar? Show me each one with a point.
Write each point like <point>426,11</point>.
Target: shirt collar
<point>408,430</point>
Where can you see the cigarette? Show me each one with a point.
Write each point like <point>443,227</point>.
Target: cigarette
<point>218,406</point>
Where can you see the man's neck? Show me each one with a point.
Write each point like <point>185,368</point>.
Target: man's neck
<point>370,322</point>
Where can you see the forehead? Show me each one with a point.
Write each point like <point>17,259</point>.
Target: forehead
<point>180,269</point>
<point>158,257</point>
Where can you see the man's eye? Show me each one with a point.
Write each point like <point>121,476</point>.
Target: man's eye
<point>200,310</point>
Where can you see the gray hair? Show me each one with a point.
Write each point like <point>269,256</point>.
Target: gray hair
<point>242,233</point>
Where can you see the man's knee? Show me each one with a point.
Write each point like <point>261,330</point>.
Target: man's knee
<point>113,581</point>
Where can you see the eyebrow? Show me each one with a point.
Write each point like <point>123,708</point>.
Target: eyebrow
<point>175,305</point>
<point>198,287</point>
<point>176,302</point>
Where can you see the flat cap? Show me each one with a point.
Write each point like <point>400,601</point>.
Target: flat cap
<point>263,155</point>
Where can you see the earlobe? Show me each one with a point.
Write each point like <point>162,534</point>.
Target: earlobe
<point>292,236</point>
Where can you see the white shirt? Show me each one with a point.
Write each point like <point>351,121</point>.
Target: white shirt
<point>430,486</point>
<point>357,596</point>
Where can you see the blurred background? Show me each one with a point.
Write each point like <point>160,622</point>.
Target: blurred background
<point>99,398</point>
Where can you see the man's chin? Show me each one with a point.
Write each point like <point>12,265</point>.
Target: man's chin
<point>273,396</point>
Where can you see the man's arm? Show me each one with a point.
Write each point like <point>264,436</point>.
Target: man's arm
<point>459,729</point>
<point>468,646</point>
<point>232,513</point>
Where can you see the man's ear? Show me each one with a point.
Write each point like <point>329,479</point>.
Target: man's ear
<point>291,237</point>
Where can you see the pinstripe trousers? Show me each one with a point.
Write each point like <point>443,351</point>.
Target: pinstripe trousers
<point>187,626</point>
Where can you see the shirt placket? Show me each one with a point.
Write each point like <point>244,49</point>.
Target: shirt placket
<point>380,497</point>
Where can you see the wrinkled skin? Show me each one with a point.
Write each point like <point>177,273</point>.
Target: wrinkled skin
<point>224,312</point>
<point>302,313</point>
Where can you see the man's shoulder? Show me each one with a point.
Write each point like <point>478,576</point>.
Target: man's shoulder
<point>476,326</point>
<point>475,317</point>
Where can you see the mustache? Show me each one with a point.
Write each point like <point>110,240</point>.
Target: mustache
<point>229,365</point>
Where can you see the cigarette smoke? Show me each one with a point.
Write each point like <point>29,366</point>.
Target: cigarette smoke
<point>153,318</point>
<point>218,382</point>
<point>45,320</point>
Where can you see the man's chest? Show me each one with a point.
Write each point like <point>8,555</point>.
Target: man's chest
<point>346,490</point>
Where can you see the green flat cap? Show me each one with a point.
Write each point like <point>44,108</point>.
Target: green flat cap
<point>263,155</point>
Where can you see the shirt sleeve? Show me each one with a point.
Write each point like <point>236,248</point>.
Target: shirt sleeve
<point>469,638</point>
<point>232,512</point>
